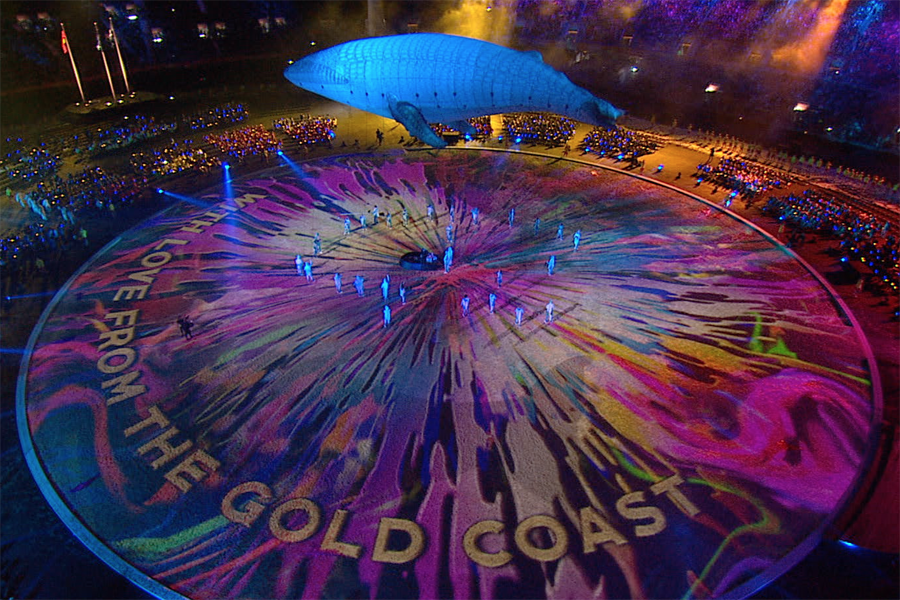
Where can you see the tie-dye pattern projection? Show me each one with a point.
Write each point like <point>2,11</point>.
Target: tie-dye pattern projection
<point>692,407</point>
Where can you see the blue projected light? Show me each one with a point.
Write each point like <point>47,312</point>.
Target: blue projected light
<point>425,78</point>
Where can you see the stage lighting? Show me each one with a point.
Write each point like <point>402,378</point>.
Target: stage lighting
<point>280,153</point>
<point>159,190</point>
<point>518,139</point>
<point>227,166</point>
<point>712,87</point>
<point>800,107</point>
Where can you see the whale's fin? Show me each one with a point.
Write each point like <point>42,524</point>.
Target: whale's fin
<point>411,117</point>
<point>464,127</point>
<point>601,112</point>
<point>534,55</point>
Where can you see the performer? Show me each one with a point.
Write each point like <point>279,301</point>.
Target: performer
<point>465,305</point>
<point>387,315</point>
<point>390,219</point>
<point>362,220</point>
<point>559,232</point>
<point>431,211</point>
<point>298,262</point>
<point>492,300</point>
<point>551,264</point>
<point>346,225</point>
<point>317,245</point>
<point>188,327</point>
<point>338,283</point>
<point>405,216</point>
<point>537,225</point>
<point>185,324</point>
<point>520,312</point>
<point>385,285</point>
<point>475,215</point>
<point>499,278</point>
<point>512,216</point>
<point>402,294</point>
<point>375,216</point>
<point>307,268</point>
<point>577,238</point>
<point>358,283</point>
<point>549,312</point>
<point>449,233</point>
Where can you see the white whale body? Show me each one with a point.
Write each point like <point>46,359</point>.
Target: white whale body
<point>424,78</point>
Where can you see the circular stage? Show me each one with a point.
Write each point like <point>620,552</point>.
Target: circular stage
<point>682,421</point>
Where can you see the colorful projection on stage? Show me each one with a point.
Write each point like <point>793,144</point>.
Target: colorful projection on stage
<point>425,78</point>
<point>682,423</point>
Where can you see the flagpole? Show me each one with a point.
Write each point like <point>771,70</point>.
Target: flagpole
<point>119,52</point>
<point>67,50</point>
<point>105,64</point>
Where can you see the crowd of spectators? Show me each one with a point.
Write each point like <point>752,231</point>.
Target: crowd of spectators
<point>244,142</point>
<point>121,134</point>
<point>864,237</point>
<point>308,130</point>
<point>481,125</point>
<point>88,192</point>
<point>742,176</point>
<point>538,128</point>
<point>29,252</point>
<point>620,143</point>
<point>65,207</point>
<point>730,146</point>
<point>226,114</point>
<point>172,159</point>
<point>25,165</point>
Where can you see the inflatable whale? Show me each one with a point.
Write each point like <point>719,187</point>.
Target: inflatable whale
<point>424,78</point>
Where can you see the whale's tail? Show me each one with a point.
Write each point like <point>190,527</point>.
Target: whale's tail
<point>600,112</point>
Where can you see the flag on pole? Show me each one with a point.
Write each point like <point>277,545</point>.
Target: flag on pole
<point>67,50</point>
<point>99,43</point>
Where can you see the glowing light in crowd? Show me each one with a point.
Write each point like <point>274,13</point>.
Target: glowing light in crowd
<point>188,199</point>
<point>229,191</point>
